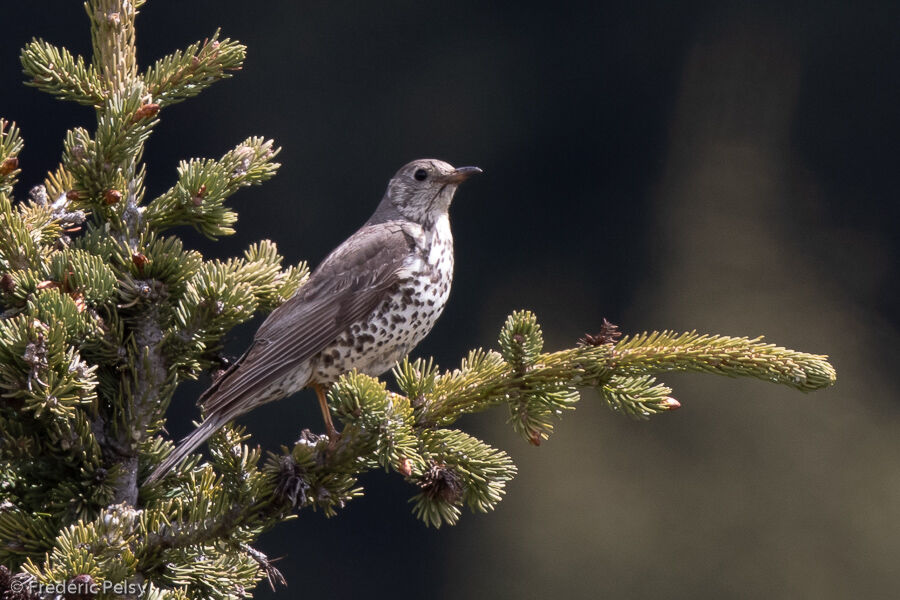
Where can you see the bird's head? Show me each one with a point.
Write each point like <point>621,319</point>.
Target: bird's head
<point>422,190</point>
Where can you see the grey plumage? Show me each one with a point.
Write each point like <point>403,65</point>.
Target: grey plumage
<point>365,307</point>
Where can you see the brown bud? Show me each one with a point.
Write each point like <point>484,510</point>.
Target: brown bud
<point>535,438</point>
<point>609,334</point>
<point>146,111</point>
<point>139,261</point>
<point>73,195</point>
<point>671,403</point>
<point>78,297</point>
<point>112,197</point>
<point>405,467</point>
<point>81,587</point>
<point>441,483</point>
<point>65,281</point>
<point>198,197</point>
<point>9,165</point>
<point>7,284</point>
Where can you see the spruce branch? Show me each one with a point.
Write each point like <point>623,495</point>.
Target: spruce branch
<point>186,73</point>
<point>56,71</point>
<point>537,388</point>
<point>733,356</point>
<point>198,199</point>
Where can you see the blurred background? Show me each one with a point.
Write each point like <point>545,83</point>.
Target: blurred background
<point>730,167</point>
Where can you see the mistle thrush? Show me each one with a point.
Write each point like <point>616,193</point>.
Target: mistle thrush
<point>365,307</point>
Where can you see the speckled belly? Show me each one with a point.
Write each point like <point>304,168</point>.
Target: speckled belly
<point>375,344</point>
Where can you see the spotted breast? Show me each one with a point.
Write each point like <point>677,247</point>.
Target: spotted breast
<point>374,344</point>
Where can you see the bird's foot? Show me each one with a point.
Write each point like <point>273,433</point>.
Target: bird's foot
<point>332,433</point>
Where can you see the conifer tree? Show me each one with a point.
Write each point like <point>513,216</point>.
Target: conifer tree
<point>105,312</point>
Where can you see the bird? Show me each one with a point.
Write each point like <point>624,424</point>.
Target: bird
<point>369,302</point>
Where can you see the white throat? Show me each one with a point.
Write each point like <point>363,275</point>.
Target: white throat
<point>439,237</point>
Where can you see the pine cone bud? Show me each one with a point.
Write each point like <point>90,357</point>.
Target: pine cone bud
<point>81,587</point>
<point>7,284</point>
<point>609,334</point>
<point>112,197</point>
<point>146,111</point>
<point>80,304</point>
<point>442,483</point>
<point>671,403</point>
<point>139,261</point>
<point>197,199</point>
<point>9,165</point>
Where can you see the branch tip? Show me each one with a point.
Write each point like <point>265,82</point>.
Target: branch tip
<point>671,403</point>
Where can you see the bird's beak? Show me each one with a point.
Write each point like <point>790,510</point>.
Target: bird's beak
<point>457,176</point>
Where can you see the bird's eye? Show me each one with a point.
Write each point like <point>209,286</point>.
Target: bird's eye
<point>420,174</point>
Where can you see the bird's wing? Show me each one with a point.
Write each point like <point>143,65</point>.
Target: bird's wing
<point>349,284</point>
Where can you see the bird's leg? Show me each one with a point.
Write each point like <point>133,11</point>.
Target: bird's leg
<point>326,413</point>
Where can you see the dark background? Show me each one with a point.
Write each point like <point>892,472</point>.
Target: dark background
<point>730,167</point>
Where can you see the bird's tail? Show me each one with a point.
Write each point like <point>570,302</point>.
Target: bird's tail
<point>186,446</point>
